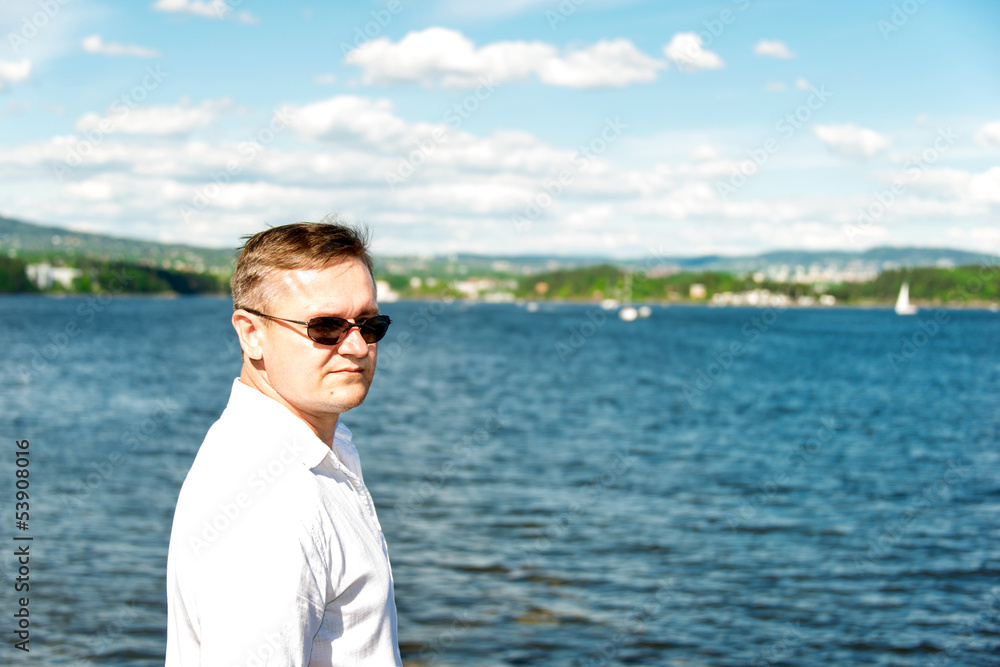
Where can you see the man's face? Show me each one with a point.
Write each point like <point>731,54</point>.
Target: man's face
<point>320,381</point>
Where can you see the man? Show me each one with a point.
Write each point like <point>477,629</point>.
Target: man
<point>276,556</point>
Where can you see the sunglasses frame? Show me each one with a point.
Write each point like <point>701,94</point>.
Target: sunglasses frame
<point>361,325</point>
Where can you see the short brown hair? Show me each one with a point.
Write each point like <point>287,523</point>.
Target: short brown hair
<point>300,245</point>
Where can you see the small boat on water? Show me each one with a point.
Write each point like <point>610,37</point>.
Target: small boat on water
<point>903,305</point>
<point>628,314</point>
<point>609,304</point>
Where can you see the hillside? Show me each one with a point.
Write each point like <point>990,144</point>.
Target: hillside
<point>32,242</point>
<point>958,286</point>
<point>871,276</point>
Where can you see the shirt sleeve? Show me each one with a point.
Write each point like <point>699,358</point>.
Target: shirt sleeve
<point>262,583</point>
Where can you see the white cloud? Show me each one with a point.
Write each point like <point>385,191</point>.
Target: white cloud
<point>490,10</point>
<point>958,191</point>
<point>985,187</point>
<point>154,120</point>
<point>446,57</point>
<point>989,135</point>
<point>92,189</point>
<point>976,237</point>
<point>850,140</point>
<point>704,152</point>
<point>775,87</point>
<point>94,44</point>
<point>212,9</point>
<point>325,79</point>
<point>802,84</point>
<point>349,116</point>
<point>685,49</point>
<point>607,64</point>
<point>14,72</point>
<point>773,49</point>
<point>461,192</point>
<point>441,56</point>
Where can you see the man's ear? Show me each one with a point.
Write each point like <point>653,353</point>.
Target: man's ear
<point>249,331</point>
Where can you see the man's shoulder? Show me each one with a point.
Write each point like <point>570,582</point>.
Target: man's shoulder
<point>245,476</point>
<point>251,424</point>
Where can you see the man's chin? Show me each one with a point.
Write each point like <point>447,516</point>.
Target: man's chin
<point>347,400</point>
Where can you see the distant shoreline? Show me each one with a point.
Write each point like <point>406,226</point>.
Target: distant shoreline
<point>977,305</point>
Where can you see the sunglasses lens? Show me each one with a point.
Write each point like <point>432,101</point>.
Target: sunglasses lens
<point>331,330</point>
<point>328,330</point>
<point>374,329</point>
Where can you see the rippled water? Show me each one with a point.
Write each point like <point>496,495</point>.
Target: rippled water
<point>706,487</point>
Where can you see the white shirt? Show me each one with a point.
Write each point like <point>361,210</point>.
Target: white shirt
<point>276,556</point>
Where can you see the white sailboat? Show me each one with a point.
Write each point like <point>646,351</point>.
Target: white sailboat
<point>628,313</point>
<point>903,305</point>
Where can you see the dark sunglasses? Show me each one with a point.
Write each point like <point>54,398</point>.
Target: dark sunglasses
<point>329,330</point>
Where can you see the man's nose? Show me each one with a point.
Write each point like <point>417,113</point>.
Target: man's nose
<point>354,344</point>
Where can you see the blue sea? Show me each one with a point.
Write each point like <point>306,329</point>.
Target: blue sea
<point>704,487</point>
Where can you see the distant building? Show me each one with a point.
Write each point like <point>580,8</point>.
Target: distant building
<point>697,291</point>
<point>757,297</point>
<point>45,275</point>
<point>385,293</point>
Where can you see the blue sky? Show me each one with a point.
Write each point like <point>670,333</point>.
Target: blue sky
<point>621,128</point>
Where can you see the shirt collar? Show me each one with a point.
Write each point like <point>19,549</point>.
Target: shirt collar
<point>250,403</point>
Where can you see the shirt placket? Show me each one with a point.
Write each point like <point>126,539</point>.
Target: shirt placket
<point>364,498</point>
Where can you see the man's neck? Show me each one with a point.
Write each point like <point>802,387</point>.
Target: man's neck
<point>323,427</point>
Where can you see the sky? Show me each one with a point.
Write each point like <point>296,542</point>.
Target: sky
<point>621,128</point>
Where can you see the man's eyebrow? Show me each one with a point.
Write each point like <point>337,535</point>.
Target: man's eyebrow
<point>370,311</point>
